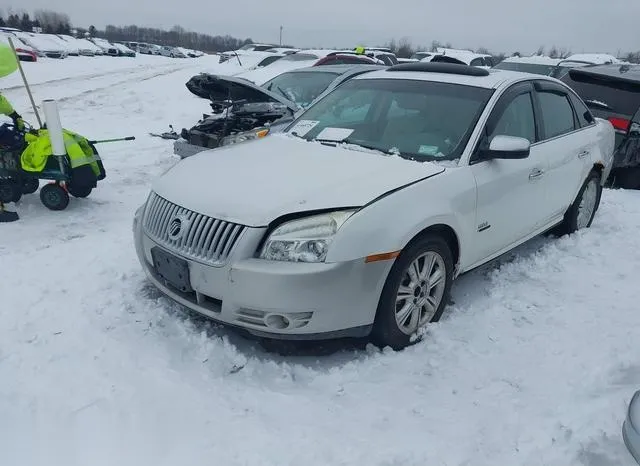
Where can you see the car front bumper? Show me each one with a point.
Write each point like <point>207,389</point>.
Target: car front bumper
<point>630,433</point>
<point>280,300</point>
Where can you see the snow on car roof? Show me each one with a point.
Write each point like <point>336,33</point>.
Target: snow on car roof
<point>493,80</point>
<point>534,60</point>
<point>17,42</point>
<point>595,58</point>
<point>39,41</point>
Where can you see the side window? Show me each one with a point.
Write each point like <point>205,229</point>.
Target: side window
<point>477,62</point>
<point>557,114</point>
<point>488,61</point>
<point>517,119</point>
<point>585,118</point>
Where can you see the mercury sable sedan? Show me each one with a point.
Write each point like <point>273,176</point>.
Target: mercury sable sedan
<point>356,220</point>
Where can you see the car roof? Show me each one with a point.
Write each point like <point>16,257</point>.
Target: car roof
<point>492,80</point>
<point>617,71</point>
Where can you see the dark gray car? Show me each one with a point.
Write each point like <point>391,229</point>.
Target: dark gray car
<point>612,92</point>
<point>251,111</point>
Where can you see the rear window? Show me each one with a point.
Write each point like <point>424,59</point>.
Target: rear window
<point>300,57</point>
<point>605,94</point>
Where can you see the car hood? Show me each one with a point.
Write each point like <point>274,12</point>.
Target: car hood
<point>221,88</point>
<point>254,183</point>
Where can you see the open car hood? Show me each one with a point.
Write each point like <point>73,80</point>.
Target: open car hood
<point>223,88</point>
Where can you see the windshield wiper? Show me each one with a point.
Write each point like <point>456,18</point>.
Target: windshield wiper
<point>364,145</point>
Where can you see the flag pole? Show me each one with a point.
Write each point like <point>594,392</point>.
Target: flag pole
<point>24,79</point>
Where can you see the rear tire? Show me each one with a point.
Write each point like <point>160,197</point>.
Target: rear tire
<point>415,293</point>
<point>581,213</point>
<point>79,191</point>
<point>10,190</point>
<point>54,197</point>
<point>30,185</point>
<point>627,178</point>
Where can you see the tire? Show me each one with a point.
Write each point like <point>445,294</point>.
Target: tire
<point>391,327</point>
<point>576,218</point>
<point>30,185</point>
<point>79,191</point>
<point>627,178</point>
<point>54,197</point>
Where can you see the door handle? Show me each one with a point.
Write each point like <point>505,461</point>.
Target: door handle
<point>535,174</point>
<point>583,154</point>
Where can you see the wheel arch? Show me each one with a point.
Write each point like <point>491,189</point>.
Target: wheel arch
<point>448,234</point>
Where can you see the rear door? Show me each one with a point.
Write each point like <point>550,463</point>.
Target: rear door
<point>565,142</point>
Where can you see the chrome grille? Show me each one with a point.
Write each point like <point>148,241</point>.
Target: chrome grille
<point>199,237</point>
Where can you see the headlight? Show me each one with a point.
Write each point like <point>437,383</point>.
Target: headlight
<point>245,136</point>
<point>304,240</point>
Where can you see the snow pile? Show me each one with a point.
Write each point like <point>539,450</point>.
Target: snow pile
<point>533,364</point>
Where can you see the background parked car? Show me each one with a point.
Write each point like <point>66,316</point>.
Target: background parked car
<point>172,52</point>
<point>536,64</point>
<point>123,50</point>
<point>107,47</point>
<point>42,44</point>
<point>612,92</point>
<point>294,91</point>
<point>245,48</point>
<point>290,62</point>
<point>25,53</point>
<point>465,57</point>
<point>347,58</point>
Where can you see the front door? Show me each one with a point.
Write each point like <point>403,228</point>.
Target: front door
<point>511,194</point>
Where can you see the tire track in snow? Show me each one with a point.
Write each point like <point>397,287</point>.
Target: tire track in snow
<point>87,77</point>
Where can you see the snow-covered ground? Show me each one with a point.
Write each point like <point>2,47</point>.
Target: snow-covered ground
<point>533,364</point>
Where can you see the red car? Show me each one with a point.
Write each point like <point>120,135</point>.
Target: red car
<point>26,55</point>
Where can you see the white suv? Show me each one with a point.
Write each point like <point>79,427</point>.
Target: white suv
<point>358,218</point>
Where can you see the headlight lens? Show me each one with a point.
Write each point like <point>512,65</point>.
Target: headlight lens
<point>304,240</point>
<point>245,136</point>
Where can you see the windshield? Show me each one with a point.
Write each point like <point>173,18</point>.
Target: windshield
<point>419,120</point>
<point>301,87</point>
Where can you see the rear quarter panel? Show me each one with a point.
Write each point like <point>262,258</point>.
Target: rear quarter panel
<point>605,136</point>
<point>390,223</point>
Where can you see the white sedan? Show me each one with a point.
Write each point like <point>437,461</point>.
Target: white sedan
<point>357,219</point>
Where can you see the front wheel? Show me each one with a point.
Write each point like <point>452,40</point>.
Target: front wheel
<point>581,213</point>
<point>415,292</point>
<point>54,197</point>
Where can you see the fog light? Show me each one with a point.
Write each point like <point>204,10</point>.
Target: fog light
<point>277,321</point>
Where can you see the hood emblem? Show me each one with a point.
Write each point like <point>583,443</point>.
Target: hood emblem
<point>176,228</point>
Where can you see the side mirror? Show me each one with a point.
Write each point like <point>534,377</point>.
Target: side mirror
<point>507,147</point>
<point>631,427</point>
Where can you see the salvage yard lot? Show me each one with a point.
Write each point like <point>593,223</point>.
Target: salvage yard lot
<point>533,363</point>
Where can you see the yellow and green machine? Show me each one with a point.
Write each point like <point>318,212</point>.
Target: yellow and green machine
<point>27,156</point>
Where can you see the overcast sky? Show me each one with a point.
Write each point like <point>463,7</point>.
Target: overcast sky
<point>500,25</point>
